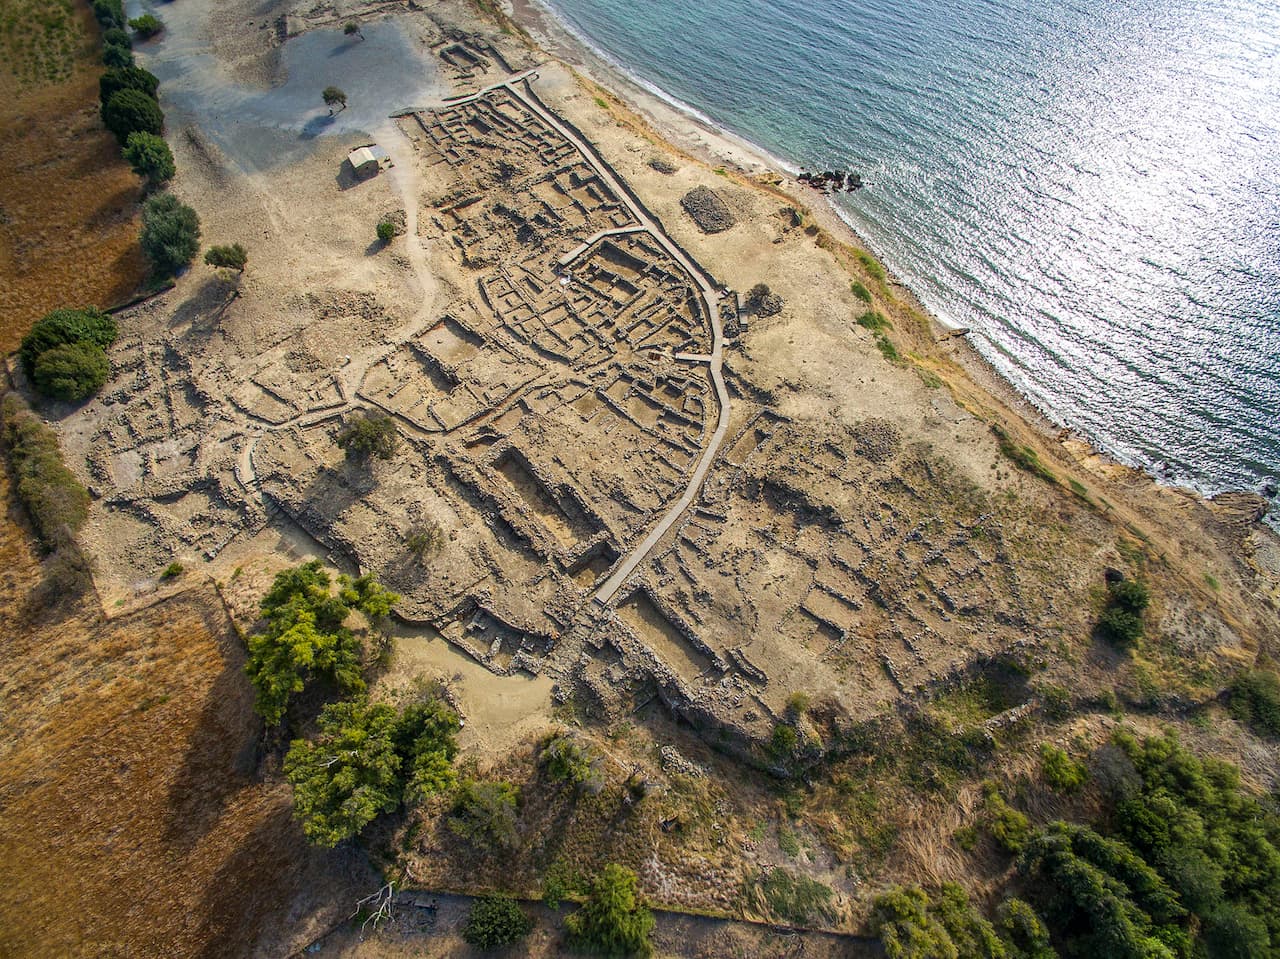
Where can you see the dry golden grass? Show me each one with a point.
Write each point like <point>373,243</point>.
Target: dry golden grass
<point>68,203</point>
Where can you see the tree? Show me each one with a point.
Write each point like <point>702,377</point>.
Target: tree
<point>484,813</point>
<point>127,78</point>
<point>109,13</point>
<point>72,371</point>
<point>132,111</point>
<point>496,921</point>
<point>369,434</point>
<point>233,257</point>
<point>115,37</point>
<point>170,232</point>
<point>348,775</point>
<point>352,28</point>
<point>150,157</point>
<point>59,327</point>
<point>614,921</point>
<point>332,97</point>
<point>146,26</point>
<point>911,926</point>
<point>386,231</point>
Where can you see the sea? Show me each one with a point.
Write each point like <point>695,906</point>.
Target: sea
<point>1092,187</point>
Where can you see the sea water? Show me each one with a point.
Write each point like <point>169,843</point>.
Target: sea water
<point>1091,186</point>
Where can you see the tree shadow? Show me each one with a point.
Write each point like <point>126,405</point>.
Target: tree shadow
<point>222,754</point>
<point>316,126</point>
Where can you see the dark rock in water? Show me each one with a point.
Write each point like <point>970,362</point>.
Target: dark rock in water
<point>829,181</point>
<point>707,209</point>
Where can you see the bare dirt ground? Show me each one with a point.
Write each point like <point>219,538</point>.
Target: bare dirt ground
<point>862,536</point>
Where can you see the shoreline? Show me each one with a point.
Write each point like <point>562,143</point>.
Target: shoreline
<point>685,128</point>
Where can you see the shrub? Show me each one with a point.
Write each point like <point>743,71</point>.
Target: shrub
<point>170,232</point>
<point>1121,621</point>
<point>54,498</point>
<point>109,13</point>
<point>115,37</point>
<point>59,327</point>
<point>117,56</point>
<point>127,78</point>
<point>1061,771</point>
<point>131,111</point>
<point>146,26</point>
<point>861,292</point>
<point>484,813</point>
<point>1254,699</point>
<point>351,28</point>
<point>1009,828</point>
<point>790,897</point>
<point>173,571</point>
<point>72,371</point>
<point>874,321</point>
<point>150,157</point>
<point>912,926</point>
<point>386,231</point>
<point>567,761</point>
<point>369,434</point>
<point>763,300</point>
<point>233,257</point>
<point>614,920</point>
<point>495,921</point>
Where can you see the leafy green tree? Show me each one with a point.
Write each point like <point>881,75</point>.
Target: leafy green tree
<point>305,637</point>
<point>170,231</point>
<point>369,434</point>
<point>425,739</point>
<point>132,111</point>
<point>332,97</point>
<point>352,28</point>
<point>576,764</point>
<point>233,257</point>
<point>72,371</point>
<point>348,775</point>
<point>484,813</point>
<point>496,921</point>
<point>386,231</point>
<point>911,926</point>
<point>1235,933</point>
<point>150,157</point>
<point>146,26</point>
<point>614,920</point>
<point>63,326</point>
<point>114,36</point>
<point>127,78</point>
<point>1009,827</point>
<point>1023,932</point>
<point>1121,622</point>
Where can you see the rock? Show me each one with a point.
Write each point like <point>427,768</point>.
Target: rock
<point>707,209</point>
<point>663,165</point>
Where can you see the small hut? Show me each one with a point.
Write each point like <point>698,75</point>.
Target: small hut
<point>364,162</point>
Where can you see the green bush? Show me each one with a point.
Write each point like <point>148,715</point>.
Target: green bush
<point>1009,828</point>
<point>567,761</point>
<point>1061,772</point>
<point>146,26</point>
<point>132,111</point>
<point>150,157</point>
<point>109,13</point>
<point>861,292</point>
<point>114,36</point>
<point>117,56</point>
<point>1254,699</point>
<point>57,503</point>
<point>496,921</point>
<point>789,897</point>
<point>484,814</point>
<point>369,434</point>
<point>386,231</point>
<point>614,920</point>
<point>127,78</point>
<point>60,327</point>
<point>170,232</point>
<point>1121,622</point>
<point>72,371</point>
<point>233,257</point>
<point>913,926</point>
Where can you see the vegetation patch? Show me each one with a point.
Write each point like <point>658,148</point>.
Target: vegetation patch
<point>496,921</point>
<point>1254,700</point>
<point>790,897</point>
<point>1121,622</point>
<point>614,920</point>
<point>1024,457</point>
<point>39,41</point>
<point>54,498</point>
